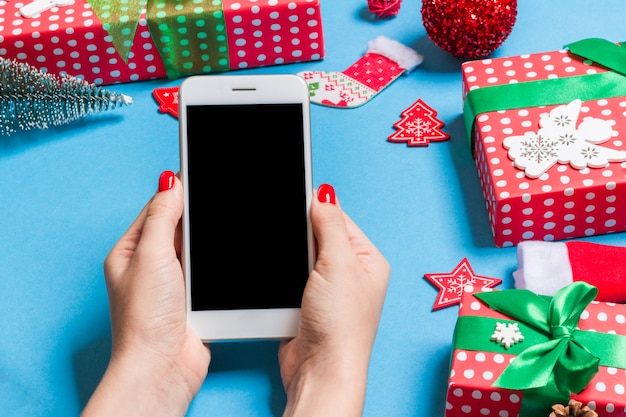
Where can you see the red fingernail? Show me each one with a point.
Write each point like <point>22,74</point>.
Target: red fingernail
<point>326,194</point>
<point>166,180</point>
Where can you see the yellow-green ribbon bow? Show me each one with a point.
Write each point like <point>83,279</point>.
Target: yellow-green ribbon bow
<point>190,35</point>
<point>553,91</point>
<point>555,358</point>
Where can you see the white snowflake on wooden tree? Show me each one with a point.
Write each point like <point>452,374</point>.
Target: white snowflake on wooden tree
<point>560,139</point>
<point>419,127</point>
<point>507,334</point>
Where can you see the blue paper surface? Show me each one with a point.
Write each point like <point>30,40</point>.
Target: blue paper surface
<point>69,193</point>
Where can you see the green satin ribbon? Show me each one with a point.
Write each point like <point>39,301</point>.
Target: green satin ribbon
<point>555,358</point>
<point>190,35</point>
<point>553,91</point>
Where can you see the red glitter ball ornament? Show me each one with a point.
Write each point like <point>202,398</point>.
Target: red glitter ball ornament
<point>469,28</point>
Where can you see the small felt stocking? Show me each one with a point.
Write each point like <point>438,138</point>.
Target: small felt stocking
<point>546,267</point>
<point>384,61</point>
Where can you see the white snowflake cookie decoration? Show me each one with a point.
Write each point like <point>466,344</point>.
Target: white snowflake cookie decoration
<point>561,140</point>
<point>507,334</point>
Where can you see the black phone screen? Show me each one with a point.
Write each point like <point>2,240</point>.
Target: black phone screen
<point>247,206</point>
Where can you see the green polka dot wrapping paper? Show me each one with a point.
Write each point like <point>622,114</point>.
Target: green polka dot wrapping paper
<point>519,357</point>
<point>548,135</point>
<point>113,41</point>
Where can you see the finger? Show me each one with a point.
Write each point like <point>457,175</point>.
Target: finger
<point>370,256</point>
<point>335,229</point>
<point>120,255</point>
<point>336,232</point>
<point>162,218</point>
<point>125,249</point>
<point>329,226</point>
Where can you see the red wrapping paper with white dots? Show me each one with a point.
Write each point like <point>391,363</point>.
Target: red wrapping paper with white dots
<point>534,189</point>
<point>239,34</point>
<point>473,373</point>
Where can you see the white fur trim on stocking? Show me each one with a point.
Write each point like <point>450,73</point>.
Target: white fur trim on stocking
<point>406,57</point>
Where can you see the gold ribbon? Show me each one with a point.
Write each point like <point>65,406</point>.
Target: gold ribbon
<point>190,35</point>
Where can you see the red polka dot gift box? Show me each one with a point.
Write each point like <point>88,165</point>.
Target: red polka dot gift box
<point>548,134</point>
<point>516,353</point>
<point>109,41</point>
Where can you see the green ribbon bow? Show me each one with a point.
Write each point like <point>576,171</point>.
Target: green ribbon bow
<point>553,91</point>
<point>190,35</point>
<point>555,358</point>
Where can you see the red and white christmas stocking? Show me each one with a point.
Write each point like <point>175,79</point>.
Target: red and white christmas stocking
<point>545,267</point>
<point>384,61</point>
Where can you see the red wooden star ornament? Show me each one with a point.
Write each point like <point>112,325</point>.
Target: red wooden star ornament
<point>452,285</point>
<point>418,126</point>
<point>167,97</point>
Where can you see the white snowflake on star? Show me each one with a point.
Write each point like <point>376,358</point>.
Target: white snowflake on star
<point>560,140</point>
<point>507,334</point>
<point>458,284</point>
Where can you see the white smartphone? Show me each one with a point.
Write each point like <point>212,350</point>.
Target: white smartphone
<point>248,247</point>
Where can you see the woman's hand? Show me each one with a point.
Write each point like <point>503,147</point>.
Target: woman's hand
<point>158,364</point>
<point>324,368</point>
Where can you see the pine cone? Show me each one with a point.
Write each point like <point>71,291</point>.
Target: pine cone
<point>573,409</point>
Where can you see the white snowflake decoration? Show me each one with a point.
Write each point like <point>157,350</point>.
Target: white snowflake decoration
<point>507,334</point>
<point>458,283</point>
<point>419,127</point>
<point>559,139</point>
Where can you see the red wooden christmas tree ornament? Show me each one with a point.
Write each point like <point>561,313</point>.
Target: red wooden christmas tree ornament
<point>418,126</point>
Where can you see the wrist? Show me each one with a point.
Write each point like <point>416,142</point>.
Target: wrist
<point>142,383</point>
<point>329,389</point>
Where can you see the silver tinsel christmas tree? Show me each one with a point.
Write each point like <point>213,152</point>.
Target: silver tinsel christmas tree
<point>32,99</point>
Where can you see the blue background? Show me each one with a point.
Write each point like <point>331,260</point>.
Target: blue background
<point>68,193</point>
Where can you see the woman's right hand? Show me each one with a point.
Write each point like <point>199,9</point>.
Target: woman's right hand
<point>324,368</point>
